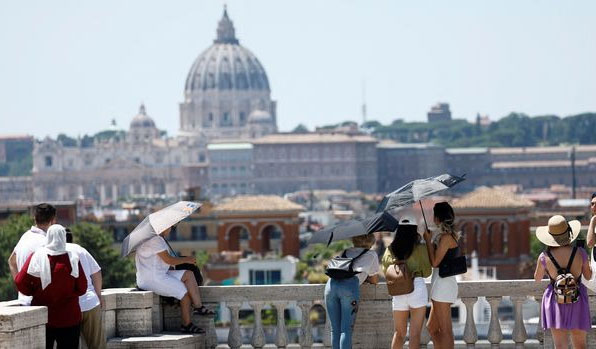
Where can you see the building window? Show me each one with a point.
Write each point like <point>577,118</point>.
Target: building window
<point>242,118</point>
<point>48,161</point>
<point>199,232</point>
<point>201,157</point>
<point>265,277</point>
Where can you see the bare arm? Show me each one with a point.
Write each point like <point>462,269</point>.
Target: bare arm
<point>590,234</point>
<point>171,260</point>
<point>539,273</point>
<point>97,280</point>
<point>586,270</point>
<point>12,264</point>
<point>373,279</point>
<point>435,255</point>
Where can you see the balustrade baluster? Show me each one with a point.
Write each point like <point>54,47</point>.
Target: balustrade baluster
<point>281,336</point>
<point>258,334</point>
<point>305,327</point>
<point>470,332</point>
<point>211,335</point>
<point>327,332</point>
<point>234,336</point>
<point>519,330</point>
<point>495,336</point>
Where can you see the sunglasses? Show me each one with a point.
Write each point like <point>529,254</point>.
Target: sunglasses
<point>593,203</point>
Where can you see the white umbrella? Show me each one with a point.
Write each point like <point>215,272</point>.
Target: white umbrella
<point>156,223</point>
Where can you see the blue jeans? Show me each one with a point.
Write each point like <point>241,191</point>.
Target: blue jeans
<point>341,298</point>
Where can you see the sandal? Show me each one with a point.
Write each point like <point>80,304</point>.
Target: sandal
<point>203,311</point>
<point>192,329</point>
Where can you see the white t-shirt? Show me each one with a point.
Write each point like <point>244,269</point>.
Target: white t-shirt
<point>367,264</point>
<point>149,264</point>
<point>90,299</point>
<point>29,242</point>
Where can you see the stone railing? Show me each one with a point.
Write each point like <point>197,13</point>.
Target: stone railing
<point>374,323</point>
<point>129,313</point>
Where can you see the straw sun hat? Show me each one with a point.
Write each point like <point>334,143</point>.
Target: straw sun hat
<point>558,232</point>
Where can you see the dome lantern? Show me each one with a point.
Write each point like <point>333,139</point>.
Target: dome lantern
<point>226,34</point>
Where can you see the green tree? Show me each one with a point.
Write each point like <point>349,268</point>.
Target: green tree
<point>116,271</point>
<point>300,129</point>
<point>10,233</point>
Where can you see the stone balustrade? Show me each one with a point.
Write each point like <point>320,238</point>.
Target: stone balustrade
<point>374,324</point>
<point>143,315</point>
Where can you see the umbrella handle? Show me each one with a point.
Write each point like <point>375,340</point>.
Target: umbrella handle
<point>423,216</point>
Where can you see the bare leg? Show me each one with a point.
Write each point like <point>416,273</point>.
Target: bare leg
<point>559,338</point>
<point>193,288</point>
<point>433,326</point>
<point>185,309</point>
<point>400,325</point>
<point>416,323</point>
<point>578,339</point>
<point>443,314</point>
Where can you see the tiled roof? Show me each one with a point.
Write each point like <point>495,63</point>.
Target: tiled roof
<point>314,138</point>
<point>491,198</point>
<point>252,203</point>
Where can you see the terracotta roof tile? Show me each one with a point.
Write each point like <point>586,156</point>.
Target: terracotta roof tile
<point>484,197</point>
<point>252,203</point>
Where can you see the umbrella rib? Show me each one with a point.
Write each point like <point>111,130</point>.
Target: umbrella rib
<point>330,239</point>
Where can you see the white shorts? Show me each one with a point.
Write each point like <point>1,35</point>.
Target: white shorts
<point>417,299</point>
<point>167,285</point>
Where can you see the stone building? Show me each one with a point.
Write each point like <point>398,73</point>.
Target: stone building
<point>261,224</point>
<point>138,162</point>
<point>289,162</point>
<point>230,169</point>
<point>439,112</point>
<point>400,163</point>
<point>496,224</point>
<point>227,93</point>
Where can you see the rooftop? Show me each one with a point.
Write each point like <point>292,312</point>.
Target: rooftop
<point>229,146</point>
<point>533,164</point>
<point>485,197</point>
<point>455,151</point>
<point>293,138</point>
<point>256,203</point>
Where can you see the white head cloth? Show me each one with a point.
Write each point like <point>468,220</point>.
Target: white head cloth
<point>55,245</point>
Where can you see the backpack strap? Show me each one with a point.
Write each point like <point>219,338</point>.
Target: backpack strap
<point>355,258</point>
<point>571,258</point>
<point>550,256</point>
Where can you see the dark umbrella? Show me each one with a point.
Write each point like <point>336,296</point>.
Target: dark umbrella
<point>157,222</point>
<point>381,221</point>
<point>417,190</point>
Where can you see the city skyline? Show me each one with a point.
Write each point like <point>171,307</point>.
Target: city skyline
<point>72,68</point>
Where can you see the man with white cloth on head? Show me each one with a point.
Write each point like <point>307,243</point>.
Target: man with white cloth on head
<point>92,325</point>
<point>54,278</point>
<point>45,216</point>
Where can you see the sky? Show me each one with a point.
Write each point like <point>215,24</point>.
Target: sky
<point>73,66</point>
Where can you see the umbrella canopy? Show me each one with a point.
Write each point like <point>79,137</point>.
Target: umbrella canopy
<point>156,223</point>
<point>382,221</point>
<point>417,190</point>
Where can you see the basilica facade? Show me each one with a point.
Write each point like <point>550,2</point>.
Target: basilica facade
<point>227,98</point>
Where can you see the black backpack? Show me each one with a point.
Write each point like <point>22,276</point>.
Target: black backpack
<point>340,267</point>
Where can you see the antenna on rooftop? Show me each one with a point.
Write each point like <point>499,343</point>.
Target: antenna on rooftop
<point>363,101</point>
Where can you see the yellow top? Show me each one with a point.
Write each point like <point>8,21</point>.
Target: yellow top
<point>418,263</point>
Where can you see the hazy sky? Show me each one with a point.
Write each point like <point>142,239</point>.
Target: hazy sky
<point>72,66</point>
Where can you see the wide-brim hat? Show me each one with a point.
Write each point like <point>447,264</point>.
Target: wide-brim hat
<point>558,232</point>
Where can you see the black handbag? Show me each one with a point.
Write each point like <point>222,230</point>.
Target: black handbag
<point>453,265</point>
<point>186,266</point>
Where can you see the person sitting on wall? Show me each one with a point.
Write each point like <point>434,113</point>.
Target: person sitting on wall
<point>154,273</point>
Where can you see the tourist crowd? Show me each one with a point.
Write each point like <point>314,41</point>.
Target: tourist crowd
<point>50,270</point>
